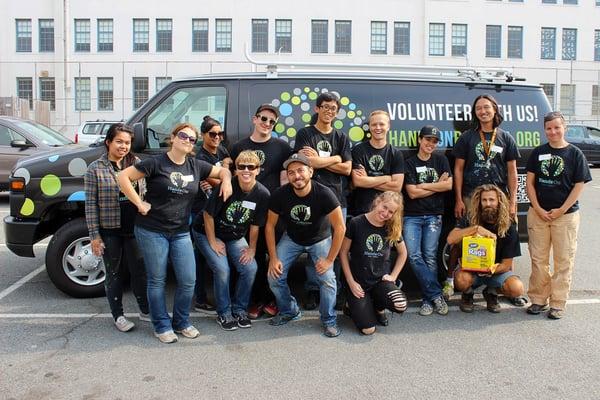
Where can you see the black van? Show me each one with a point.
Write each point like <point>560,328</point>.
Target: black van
<point>52,201</point>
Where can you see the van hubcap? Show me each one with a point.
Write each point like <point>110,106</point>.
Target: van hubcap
<point>81,265</point>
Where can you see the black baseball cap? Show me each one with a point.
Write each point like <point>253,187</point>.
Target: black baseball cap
<point>430,131</point>
<point>297,157</point>
<point>269,107</point>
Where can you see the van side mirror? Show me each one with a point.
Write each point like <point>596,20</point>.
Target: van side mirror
<point>22,144</point>
<point>139,138</point>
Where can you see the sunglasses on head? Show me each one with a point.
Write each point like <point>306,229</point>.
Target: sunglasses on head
<point>249,167</point>
<point>265,119</point>
<point>214,135</point>
<point>184,136</point>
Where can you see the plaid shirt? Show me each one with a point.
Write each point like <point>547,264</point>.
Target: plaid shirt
<point>102,208</point>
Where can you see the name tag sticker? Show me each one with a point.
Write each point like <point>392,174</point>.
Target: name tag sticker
<point>219,163</point>
<point>249,205</point>
<point>324,153</point>
<point>187,178</point>
<point>497,149</point>
<point>543,157</point>
<point>421,169</point>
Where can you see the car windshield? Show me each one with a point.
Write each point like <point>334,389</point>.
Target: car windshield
<point>48,136</point>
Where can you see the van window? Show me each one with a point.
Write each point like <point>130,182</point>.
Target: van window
<point>575,132</point>
<point>92,129</point>
<point>594,133</point>
<point>188,104</point>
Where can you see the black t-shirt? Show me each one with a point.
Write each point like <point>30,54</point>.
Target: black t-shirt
<point>271,154</point>
<point>418,171</point>
<point>556,173</point>
<point>233,217</point>
<point>128,210</point>
<point>507,246</point>
<point>481,169</point>
<point>331,144</point>
<point>306,218</point>
<point>171,189</point>
<point>376,162</point>
<point>213,159</point>
<point>369,251</point>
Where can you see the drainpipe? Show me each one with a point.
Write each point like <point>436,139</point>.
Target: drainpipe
<point>65,61</point>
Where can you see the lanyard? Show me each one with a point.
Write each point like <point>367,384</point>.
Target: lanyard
<point>487,147</point>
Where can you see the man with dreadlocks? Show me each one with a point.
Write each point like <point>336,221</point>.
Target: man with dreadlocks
<point>489,216</point>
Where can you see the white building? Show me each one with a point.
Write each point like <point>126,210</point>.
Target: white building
<point>101,59</point>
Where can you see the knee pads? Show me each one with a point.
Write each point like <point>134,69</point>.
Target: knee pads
<point>398,301</point>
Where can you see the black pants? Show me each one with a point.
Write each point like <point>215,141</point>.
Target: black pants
<point>122,255</point>
<point>382,295</point>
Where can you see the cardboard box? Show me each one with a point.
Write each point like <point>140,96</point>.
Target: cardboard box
<point>478,254</point>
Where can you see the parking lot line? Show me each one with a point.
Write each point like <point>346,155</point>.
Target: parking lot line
<point>21,281</point>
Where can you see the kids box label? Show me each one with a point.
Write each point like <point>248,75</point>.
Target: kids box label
<point>478,254</point>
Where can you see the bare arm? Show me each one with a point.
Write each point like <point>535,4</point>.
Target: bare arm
<point>275,266</point>
<point>249,252</point>
<point>209,230</point>
<point>531,193</point>
<point>400,260</point>
<point>457,234</point>
<point>360,179</point>
<point>224,176</point>
<point>342,168</point>
<point>571,199</point>
<point>354,286</point>
<point>394,185</point>
<point>504,266</point>
<point>512,186</point>
<point>336,219</point>
<point>125,178</point>
<point>459,169</point>
<point>423,190</point>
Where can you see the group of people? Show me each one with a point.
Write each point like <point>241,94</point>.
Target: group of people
<point>282,202</point>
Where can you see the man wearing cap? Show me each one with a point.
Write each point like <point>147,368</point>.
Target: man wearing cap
<point>272,152</point>
<point>309,210</point>
<point>427,177</point>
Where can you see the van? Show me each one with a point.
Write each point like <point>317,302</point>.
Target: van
<point>92,131</point>
<point>52,201</point>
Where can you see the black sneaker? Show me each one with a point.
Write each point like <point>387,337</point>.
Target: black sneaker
<point>536,309</point>
<point>243,321</point>
<point>492,301</point>
<point>312,300</point>
<point>227,323</point>
<point>205,308</point>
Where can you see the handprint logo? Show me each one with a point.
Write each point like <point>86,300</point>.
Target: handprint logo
<point>300,213</point>
<point>428,176</point>
<point>178,179</point>
<point>236,213</point>
<point>480,152</point>
<point>324,145</point>
<point>374,242</point>
<point>376,163</point>
<point>261,156</point>
<point>553,167</point>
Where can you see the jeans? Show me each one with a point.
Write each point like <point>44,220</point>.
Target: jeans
<point>156,247</point>
<point>421,235</point>
<point>220,266</point>
<point>288,251</point>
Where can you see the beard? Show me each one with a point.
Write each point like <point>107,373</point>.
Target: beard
<point>489,215</point>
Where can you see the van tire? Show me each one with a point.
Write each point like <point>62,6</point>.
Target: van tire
<point>70,263</point>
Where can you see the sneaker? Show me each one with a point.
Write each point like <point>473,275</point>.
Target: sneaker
<point>166,337</point>
<point>492,301</point>
<point>145,317</point>
<point>556,313</point>
<point>466,302</point>
<point>448,290</point>
<point>255,311</point>
<point>440,306</point>
<point>331,331</point>
<point>382,318</point>
<point>535,309</point>
<point>190,332</point>
<point>123,324</point>
<point>271,309</point>
<point>284,319</point>
<point>243,321</point>
<point>518,301</point>
<point>227,323</point>
<point>312,300</point>
<point>205,308</point>
<point>426,309</point>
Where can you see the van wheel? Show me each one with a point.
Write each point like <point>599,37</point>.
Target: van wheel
<point>70,263</point>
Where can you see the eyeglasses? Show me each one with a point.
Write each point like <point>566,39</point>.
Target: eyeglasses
<point>249,167</point>
<point>265,119</point>
<point>329,108</point>
<point>214,135</point>
<point>184,136</point>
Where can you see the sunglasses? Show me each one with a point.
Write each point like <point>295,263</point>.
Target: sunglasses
<point>214,135</point>
<point>184,136</point>
<point>265,119</point>
<point>249,167</point>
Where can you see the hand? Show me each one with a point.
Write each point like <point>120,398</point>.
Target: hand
<point>275,268</point>
<point>218,247</point>
<point>204,185</point>
<point>555,213</point>
<point>247,255</point>
<point>144,207</point>
<point>481,231</point>
<point>226,190</point>
<point>444,177</point>
<point>323,265</point>
<point>543,214</point>
<point>97,247</point>
<point>459,209</point>
<point>308,152</point>
<point>360,171</point>
<point>388,278</point>
<point>356,290</point>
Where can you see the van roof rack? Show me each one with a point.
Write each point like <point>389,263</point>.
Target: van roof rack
<point>420,71</point>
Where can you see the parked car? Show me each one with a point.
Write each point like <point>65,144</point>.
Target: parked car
<point>92,131</point>
<point>21,138</point>
<point>587,138</point>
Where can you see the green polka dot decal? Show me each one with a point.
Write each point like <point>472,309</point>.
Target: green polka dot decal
<point>50,185</point>
<point>27,207</point>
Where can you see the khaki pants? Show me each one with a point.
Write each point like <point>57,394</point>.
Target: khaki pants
<point>559,235</point>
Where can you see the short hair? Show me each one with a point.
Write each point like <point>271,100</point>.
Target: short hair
<point>552,115</point>
<point>326,97</point>
<point>248,156</point>
<point>498,118</point>
<point>379,112</point>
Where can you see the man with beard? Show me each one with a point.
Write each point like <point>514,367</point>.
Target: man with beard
<point>309,210</point>
<point>489,216</point>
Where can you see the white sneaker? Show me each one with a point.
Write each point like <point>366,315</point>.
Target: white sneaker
<point>123,324</point>
<point>166,337</point>
<point>190,332</point>
<point>145,317</point>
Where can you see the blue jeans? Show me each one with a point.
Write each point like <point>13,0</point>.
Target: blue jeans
<point>421,235</point>
<point>156,247</point>
<point>222,272</point>
<point>288,251</point>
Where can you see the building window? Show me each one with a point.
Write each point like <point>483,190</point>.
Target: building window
<point>48,91</point>
<point>25,90</point>
<point>515,42</point>
<point>493,41</point>
<point>569,1</point>
<point>402,38</point>
<point>378,37</point>
<point>549,1</point>
<point>46,39</point>
<point>569,44</point>
<point>105,35</point>
<point>597,45</point>
<point>343,37</point>
<point>595,100</point>
<point>140,92</point>
<point>548,88</point>
<point>459,40</point>
<point>82,35</point>
<point>161,82</point>
<point>82,94</point>
<point>164,35</point>
<point>437,39</point>
<point>141,34</point>
<point>318,43</point>
<point>548,45</point>
<point>223,36</point>
<point>283,35</point>
<point>105,94</point>
<point>567,99</point>
<point>200,35</point>
<point>260,35</point>
<point>23,35</point>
